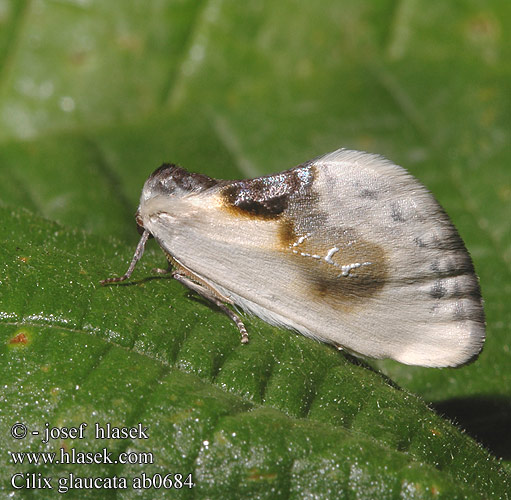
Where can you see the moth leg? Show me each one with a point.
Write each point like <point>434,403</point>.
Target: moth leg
<point>136,257</point>
<point>209,295</point>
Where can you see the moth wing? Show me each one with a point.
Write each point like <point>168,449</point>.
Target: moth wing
<point>358,254</point>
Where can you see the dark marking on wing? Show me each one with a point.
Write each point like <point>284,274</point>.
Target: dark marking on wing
<point>369,194</point>
<point>452,264</point>
<point>438,290</point>
<point>419,242</point>
<point>442,237</point>
<point>396,212</point>
<point>270,196</point>
<point>244,200</point>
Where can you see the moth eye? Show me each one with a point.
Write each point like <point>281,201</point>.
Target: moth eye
<point>140,224</point>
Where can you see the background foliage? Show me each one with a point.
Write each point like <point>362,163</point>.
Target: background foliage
<point>94,95</point>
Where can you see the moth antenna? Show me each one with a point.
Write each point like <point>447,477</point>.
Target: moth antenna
<point>136,257</point>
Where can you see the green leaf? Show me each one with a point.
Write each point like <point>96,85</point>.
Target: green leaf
<point>95,95</point>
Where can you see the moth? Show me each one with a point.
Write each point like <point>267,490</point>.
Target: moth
<point>347,248</point>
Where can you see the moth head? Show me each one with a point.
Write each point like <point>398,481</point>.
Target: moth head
<point>166,194</point>
<point>171,180</point>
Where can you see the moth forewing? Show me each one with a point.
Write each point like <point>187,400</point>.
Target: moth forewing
<point>347,248</point>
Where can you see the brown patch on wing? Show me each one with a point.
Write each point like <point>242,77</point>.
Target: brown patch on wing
<point>286,233</point>
<point>340,268</point>
<point>270,196</point>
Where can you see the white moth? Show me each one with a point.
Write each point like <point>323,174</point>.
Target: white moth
<point>347,248</point>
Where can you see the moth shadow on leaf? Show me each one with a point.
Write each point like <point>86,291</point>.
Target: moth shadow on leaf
<point>487,419</point>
